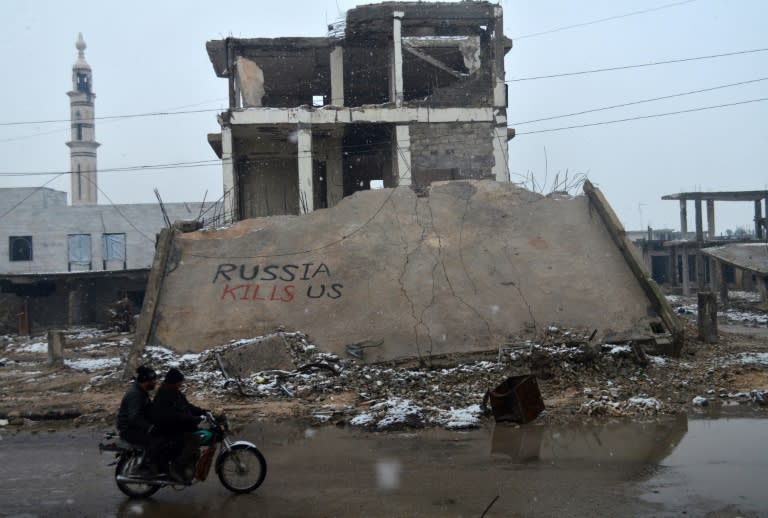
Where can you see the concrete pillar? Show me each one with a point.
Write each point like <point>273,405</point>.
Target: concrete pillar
<point>673,278</point>
<point>758,220</point>
<point>306,190</point>
<point>56,348</point>
<point>686,273</point>
<point>711,219</point>
<point>699,239</point>
<point>499,86</point>
<point>683,218</point>
<point>231,189</point>
<point>402,151</point>
<point>396,72</point>
<point>718,280</point>
<point>337,76</point>
<point>707,318</point>
<point>500,150</point>
<point>762,287</point>
<point>335,168</point>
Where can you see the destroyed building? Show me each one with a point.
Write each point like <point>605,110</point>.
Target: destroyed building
<point>448,257</point>
<point>701,260</point>
<point>400,94</point>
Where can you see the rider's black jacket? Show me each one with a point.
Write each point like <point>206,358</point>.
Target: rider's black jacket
<point>135,411</point>
<point>172,413</point>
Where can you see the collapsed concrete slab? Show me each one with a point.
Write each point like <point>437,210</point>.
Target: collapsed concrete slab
<point>463,269</point>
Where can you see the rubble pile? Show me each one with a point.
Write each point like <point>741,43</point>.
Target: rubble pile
<point>287,375</point>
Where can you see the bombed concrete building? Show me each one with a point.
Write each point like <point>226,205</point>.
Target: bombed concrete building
<point>401,93</point>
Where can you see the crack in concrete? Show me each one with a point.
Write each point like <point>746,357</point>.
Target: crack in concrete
<point>445,270</point>
<point>520,291</point>
<point>434,267</point>
<point>405,271</point>
<point>461,245</point>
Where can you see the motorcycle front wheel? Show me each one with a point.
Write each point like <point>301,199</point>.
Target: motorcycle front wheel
<point>241,469</point>
<point>126,466</point>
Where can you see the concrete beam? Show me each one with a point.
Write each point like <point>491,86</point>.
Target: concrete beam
<point>337,76</point>
<point>386,115</point>
<point>628,251</point>
<point>306,190</point>
<point>144,325</point>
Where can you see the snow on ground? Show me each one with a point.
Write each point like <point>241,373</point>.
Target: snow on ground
<point>689,306</point>
<point>34,347</point>
<point>747,358</point>
<point>93,364</point>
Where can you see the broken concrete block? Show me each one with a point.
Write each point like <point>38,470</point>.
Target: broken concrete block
<point>269,354</point>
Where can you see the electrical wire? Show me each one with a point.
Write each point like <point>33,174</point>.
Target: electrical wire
<point>640,65</point>
<point>632,103</point>
<point>600,20</point>
<point>640,117</point>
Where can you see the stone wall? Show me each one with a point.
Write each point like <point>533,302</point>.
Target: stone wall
<point>464,269</point>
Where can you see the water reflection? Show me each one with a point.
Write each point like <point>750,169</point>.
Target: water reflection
<point>614,442</point>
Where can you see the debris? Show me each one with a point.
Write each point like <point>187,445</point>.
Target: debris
<point>518,399</point>
<point>700,401</point>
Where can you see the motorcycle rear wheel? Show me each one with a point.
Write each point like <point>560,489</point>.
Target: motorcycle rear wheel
<point>126,466</point>
<point>241,469</point>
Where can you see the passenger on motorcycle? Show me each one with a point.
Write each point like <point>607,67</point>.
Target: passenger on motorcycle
<point>176,420</point>
<point>134,418</point>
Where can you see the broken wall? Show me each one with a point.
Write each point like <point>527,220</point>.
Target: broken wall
<point>451,151</point>
<point>463,269</point>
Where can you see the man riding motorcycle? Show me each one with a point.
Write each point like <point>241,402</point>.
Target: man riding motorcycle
<point>134,418</point>
<point>176,420</point>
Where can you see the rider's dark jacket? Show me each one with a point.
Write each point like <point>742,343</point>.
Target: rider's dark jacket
<point>172,414</point>
<point>135,414</point>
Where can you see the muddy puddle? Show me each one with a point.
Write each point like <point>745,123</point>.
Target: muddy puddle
<point>669,467</point>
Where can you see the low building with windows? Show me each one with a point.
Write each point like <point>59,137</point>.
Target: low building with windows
<point>65,264</point>
<point>62,264</point>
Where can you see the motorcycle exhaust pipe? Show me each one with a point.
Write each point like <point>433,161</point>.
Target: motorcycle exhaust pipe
<point>135,480</point>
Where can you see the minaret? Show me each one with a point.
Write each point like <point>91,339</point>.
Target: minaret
<point>82,147</point>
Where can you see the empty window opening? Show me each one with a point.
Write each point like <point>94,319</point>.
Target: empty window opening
<point>20,248</point>
<point>83,85</point>
<point>318,101</point>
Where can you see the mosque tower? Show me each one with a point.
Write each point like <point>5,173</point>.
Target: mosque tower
<point>82,146</point>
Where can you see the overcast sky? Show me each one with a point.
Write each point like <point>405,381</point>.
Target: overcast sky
<point>150,56</point>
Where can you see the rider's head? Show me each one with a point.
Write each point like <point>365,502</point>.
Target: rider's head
<point>146,376</point>
<point>174,377</point>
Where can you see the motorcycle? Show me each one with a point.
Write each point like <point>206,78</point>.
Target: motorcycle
<point>240,466</point>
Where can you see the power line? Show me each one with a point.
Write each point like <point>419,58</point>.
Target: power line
<point>147,167</point>
<point>702,108</point>
<point>680,94</point>
<point>600,20</point>
<point>108,117</point>
<point>625,67</point>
